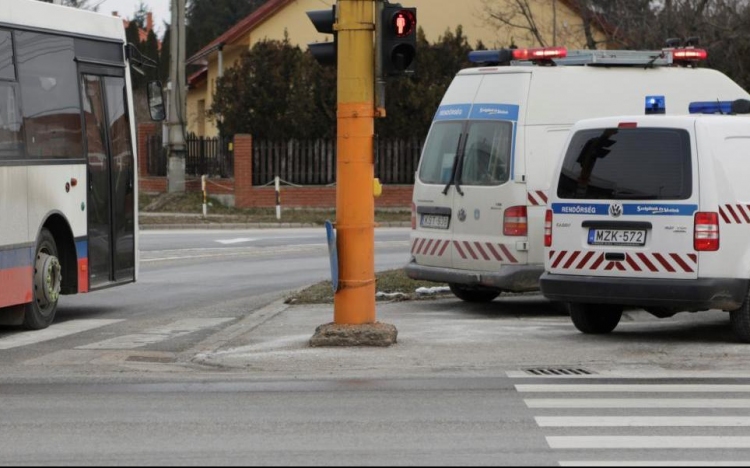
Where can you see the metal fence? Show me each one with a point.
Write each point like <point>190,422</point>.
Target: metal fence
<point>313,162</point>
<point>209,156</point>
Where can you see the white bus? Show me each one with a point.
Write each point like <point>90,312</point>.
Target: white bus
<point>68,174</point>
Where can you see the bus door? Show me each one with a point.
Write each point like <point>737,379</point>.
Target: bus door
<point>111,184</point>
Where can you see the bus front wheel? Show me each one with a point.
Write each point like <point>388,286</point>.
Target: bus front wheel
<point>47,279</point>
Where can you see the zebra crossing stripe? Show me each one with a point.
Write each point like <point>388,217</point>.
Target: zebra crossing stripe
<point>648,442</point>
<point>642,421</point>
<point>158,334</point>
<point>638,403</point>
<point>54,331</point>
<point>636,388</point>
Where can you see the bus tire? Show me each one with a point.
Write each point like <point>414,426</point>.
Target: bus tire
<point>740,320</point>
<point>473,294</point>
<point>595,319</point>
<point>46,284</point>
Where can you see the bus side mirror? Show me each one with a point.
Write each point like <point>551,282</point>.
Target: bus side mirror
<point>156,101</point>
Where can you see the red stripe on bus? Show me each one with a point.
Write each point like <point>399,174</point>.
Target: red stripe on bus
<point>531,199</point>
<point>427,247</point>
<point>693,257</point>
<point>585,260</point>
<point>734,215</point>
<point>495,254</point>
<point>470,250</point>
<point>609,266</point>
<point>83,275</point>
<point>681,262</point>
<point>481,251</point>
<point>543,196</point>
<point>458,248</point>
<point>418,245</point>
<point>664,262</point>
<point>571,259</point>
<point>507,253</point>
<point>724,216</point>
<point>632,263</point>
<point>562,254</point>
<point>647,262</point>
<point>16,286</point>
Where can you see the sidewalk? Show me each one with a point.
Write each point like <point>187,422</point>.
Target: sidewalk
<point>448,337</point>
<point>151,220</point>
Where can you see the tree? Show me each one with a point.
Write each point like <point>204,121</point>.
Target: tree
<point>208,19</point>
<point>275,92</point>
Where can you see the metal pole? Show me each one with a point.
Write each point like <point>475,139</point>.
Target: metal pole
<point>354,302</point>
<point>203,187</point>
<point>176,123</point>
<point>278,196</point>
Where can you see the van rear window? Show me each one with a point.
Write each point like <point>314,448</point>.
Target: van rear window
<point>627,164</point>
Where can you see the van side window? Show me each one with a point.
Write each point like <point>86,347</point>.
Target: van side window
<point>627,164</point>
<point>486,158</point>
<point>7,66</point>
<point>11,138</point>
<point>440,152</point>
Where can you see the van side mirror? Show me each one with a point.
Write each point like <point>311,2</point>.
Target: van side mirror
<point>156,101</point>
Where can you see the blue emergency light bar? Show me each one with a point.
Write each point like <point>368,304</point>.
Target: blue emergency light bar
<point>490,56</point>
<point>710,107</point>
<point>655,105</point>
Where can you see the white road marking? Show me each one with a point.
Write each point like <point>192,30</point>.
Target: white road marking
<point>636,388</point>
<point>638,403</point>
<point>157,335</point>
<point>642,421</point>
<point>648,442</point>
<point>239,240</point>
<point>654,463</point>
<point>54,331</point>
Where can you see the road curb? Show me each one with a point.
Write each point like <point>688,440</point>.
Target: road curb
<point>151,227</point>
<point>200,354</point>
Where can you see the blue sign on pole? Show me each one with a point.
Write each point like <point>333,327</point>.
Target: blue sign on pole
<point>333,255</point>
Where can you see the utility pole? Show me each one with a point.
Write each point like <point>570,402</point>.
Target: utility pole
<point>177,101</point>
<point>354,302</point>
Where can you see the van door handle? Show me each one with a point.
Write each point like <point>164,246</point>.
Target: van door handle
<point>614,257</point>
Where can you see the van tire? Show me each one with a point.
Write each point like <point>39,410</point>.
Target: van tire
<point>595,319</point>
<point>477,294</point>
<point>740,319</point>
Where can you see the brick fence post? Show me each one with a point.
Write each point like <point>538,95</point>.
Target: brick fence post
<point>145,130</point>
<point>243,170</point>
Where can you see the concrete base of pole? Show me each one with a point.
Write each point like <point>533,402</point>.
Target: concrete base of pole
<point>176,174</point>
<point>368,334</point>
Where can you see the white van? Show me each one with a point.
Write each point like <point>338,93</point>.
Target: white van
<point>652,212</point>
<point>481,188</point>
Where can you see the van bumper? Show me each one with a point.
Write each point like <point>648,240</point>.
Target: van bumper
<point>698,294</point>
<point>516,278</point>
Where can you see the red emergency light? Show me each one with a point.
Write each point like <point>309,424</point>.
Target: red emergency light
<point>689,55</point>
<point>541,53</point>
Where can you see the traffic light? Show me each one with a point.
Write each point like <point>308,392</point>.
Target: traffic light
<point>324,20</point>
<point>398,40</point>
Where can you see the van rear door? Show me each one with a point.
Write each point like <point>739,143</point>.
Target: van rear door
<point>625,204</point>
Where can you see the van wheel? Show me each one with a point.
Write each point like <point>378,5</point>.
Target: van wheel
<point>740,319</point>
<point>473,293</point>
<point>47,279</point>
<point>595,319</point>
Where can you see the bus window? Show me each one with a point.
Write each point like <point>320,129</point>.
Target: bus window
<point>7,70</point>
<point>11,139</point>
<point>51,100</point>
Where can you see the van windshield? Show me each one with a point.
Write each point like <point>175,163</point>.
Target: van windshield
<point>486,152</point>
<point>627,164</point>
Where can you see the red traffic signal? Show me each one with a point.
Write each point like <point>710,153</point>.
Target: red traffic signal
<point>403,22</point>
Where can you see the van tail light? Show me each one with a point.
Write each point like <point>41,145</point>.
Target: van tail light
<point>515,221</point>
<point>548,228</point>
<point>413,216</point>
<point>706,233</point>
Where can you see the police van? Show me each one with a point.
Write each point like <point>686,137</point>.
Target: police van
<point>481,189</point>
<point>652,212</point>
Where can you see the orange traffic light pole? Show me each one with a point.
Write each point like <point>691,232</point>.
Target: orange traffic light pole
<point>354,302</point>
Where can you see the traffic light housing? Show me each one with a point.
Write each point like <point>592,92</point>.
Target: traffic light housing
<point>324,21</point>
<point>398,40</point>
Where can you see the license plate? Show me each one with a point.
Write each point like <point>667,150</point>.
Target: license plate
<point>617,237</point>
<point>433,221</point>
